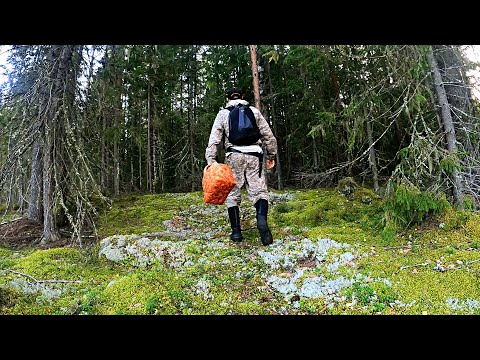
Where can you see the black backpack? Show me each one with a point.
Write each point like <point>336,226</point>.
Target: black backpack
<point>243,129</point>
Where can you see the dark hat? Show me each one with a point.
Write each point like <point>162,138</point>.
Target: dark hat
<point>234,93</point>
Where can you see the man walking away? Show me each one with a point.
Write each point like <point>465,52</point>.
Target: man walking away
<point>244,154</point>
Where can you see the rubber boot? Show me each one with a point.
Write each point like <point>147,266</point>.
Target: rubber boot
<point>234,216</point>
<point>262,212</point>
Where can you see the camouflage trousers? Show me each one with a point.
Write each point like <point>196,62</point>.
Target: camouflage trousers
<point>245,171</point>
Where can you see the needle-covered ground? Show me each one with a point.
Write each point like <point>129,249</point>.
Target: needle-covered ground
<point>171,254</point>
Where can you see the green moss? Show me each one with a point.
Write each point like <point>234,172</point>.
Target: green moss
<point>416,277</point>
<point>137,214</point>
<point>6,258</point>
<point>344,234</point>
<point>322,207</point>
<point>14,302</point>
<point>221,302</point>
<point>453,219</point>
<point>7,298</point>
<point>428,291</point>
<point>141,293</point>
<point>58,263</point>
<point>472,227</point>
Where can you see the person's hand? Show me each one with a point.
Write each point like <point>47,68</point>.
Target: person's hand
<point>270,164</point>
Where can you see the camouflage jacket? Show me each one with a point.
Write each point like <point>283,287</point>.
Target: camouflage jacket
<point>220,126</point>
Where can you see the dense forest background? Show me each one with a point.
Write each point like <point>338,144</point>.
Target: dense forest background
<point>81,125</point>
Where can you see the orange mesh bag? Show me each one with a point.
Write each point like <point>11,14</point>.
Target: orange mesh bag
<point>217,182</point>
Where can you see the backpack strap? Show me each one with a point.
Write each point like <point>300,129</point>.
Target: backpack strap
<point>229,108</point>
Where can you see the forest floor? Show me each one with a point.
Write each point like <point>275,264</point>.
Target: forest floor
<point>171,254</point>
<point>21,233</point>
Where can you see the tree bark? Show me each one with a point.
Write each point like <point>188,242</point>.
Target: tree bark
<point>116,155</point>
<point>448,126</point>
<point>372,158</point>
<point>275,130</point>
<point>50,231</point>
<point>59,61</point>
<point>35,210</point>
<point>256,85</point>
<point>103,169</point>
<point>149,141</point>
<point>117,121</point>
<point>191,100</point>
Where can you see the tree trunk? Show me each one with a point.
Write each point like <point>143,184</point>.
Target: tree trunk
<point>116,156</point>
<point>372,159</point>
<point>256,86</point>
<point>103,168</point>
<point>452,69</point>
<point>161,163</point>
<point>190,113</point>
<point>55,60</point>
<point>117,121</point>
<point>154,159</point>
<point>132,168</point>
<point>140,168</point>
<point>50,231</point>
<point>194,118</point>
<point>35,210</point>
<point>149,142</point>
<point>275,132</point>
<point>448,126</point>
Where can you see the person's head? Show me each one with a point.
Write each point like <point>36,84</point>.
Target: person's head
<point>234,93</point>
